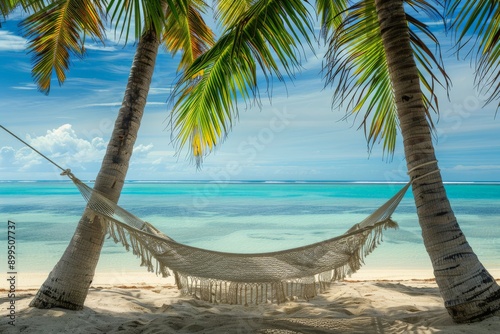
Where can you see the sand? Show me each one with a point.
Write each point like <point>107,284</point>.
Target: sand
<point>368,302</point>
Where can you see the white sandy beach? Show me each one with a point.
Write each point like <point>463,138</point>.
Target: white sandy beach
<point>371,301</point>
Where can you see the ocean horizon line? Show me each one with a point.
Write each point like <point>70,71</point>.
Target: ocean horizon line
<point>365,182</point>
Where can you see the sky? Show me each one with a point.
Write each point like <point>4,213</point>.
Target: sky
<point>296,135</point>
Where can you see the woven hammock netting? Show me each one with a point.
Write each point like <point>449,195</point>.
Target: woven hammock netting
<point>237,278</point>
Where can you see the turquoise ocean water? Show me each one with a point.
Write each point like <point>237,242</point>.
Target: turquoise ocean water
<point>242,217</point>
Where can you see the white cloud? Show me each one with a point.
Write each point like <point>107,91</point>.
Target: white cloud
<point>146,158</point>
<point>64,147</point>
<point>144,149</point>
<point>68,150</point>
<point>11,42</point>
<point>118,69</point>
<point>100,47</point>
<point>160,157</point>
<point>104,104</point>
<point>158,90</point>
<point>7,155</point>
<point>23,159</point>
<point>29,86</point>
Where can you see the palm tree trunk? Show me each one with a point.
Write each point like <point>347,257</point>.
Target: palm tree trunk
<point>68,283</point>
<point>470,293</point>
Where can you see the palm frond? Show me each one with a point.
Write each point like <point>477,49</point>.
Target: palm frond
<point>331,14</point>
<point>28,6</point>
<point>139,15</point>
<point>356,66</point>
<point>58,31</point>
<point>265,36</point>
<point>7,6</point>
<point>227,12</point>
<point>431,68</point>
<point>188,33</point>
<point>476,25</point>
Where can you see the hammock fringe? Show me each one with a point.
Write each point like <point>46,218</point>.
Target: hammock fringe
<point>247,293</point>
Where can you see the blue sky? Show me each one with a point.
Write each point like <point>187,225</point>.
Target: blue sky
<point>295,136</point>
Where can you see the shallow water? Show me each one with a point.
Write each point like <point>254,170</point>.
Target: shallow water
<point>243,217</point>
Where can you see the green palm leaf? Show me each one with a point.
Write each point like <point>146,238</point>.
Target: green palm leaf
<point>228,11</point>
<point>331,14</point>
<point>478,23</point>
<point>137,14</point>
<point>356,66</point>
<point>264,36</point>
<point>7,6</point>
<point>188,33</point>
<point>58,31</point>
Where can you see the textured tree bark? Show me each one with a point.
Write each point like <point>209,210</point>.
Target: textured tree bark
<point>68,283</point>
<point>470,293</point>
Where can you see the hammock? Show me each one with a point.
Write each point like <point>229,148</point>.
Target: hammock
<point>234,278</point>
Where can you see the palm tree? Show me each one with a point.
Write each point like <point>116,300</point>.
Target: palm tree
<point>470,293</point>
<point>372,60</point>
<point>55,31</point>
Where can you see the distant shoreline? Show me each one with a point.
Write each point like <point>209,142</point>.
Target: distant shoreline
<point>294,182</point>
<point>33,280</point>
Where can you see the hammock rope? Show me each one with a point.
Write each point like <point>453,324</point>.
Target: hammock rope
<point>34,149</point>
<point>238,278</point>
